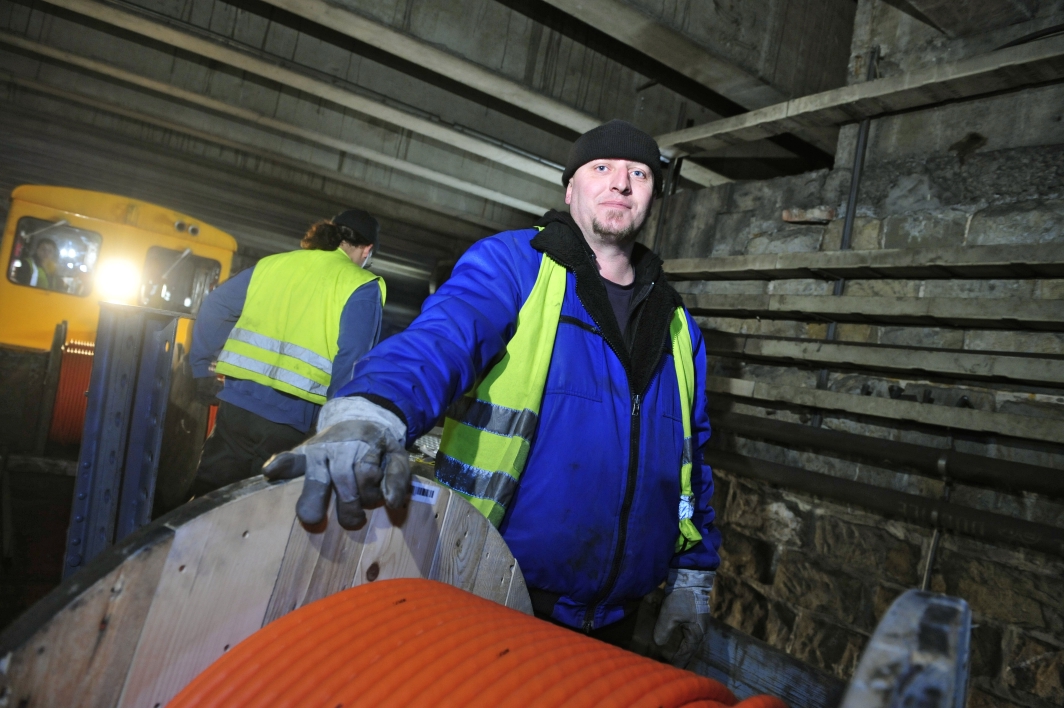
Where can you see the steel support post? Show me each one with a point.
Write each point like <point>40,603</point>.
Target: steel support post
<point>128,393</point>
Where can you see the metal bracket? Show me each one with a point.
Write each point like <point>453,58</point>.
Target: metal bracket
<point>918,656</point>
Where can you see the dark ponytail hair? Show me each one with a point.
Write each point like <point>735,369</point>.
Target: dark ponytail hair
<point>322,236</point>
<point>326,236</point>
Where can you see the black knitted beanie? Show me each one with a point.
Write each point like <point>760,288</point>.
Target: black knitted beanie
<point>616,140</point>
<point>366,228</point>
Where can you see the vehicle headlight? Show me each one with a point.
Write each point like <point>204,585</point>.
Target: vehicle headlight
<point>117,280</point>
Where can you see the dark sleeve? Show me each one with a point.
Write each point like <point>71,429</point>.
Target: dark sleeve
<point>360,329</point>
<point>217,316</point>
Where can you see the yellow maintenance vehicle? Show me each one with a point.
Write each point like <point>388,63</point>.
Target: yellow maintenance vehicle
<point>66,249</point>
<point>68,255</point>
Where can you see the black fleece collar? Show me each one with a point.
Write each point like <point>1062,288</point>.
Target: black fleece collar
<point>562,240</point>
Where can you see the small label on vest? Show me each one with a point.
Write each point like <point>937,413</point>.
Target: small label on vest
<point>424,493</point>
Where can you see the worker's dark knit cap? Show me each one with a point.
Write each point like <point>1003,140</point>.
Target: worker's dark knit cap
<point>364,225</point>
<point>616,140</point>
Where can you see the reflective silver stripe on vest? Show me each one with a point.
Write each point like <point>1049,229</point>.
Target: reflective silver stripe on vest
<point>274,372</point>
<point>493,418</point>
<point>686,458</point>
<point>687,506</point>
<point>278,347</point>
<point>498,487</point>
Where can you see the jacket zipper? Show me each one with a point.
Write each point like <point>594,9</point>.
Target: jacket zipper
<point>626,509</point>
<point>629,491</point>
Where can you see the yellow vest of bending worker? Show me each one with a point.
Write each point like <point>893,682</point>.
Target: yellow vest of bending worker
<point>491,427</point>
<point>286,337</point>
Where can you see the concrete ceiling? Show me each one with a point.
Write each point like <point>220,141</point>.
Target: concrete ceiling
<point>960,19</point>
<point>449,119</point>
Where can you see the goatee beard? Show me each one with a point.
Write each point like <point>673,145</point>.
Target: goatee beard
<point>616,236</point>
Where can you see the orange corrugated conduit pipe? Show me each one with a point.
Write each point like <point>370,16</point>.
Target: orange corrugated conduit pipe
<point>68,416</point>
<point>416,642</point>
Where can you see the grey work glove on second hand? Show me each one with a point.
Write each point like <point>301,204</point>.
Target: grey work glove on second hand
<point>359,452</point>
<point>685,608</point>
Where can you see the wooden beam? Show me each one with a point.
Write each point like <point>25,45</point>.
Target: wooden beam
<point>273,124</point>
<point>461,70</point>
<point>438,61</point>
<point>960,19</point>
<point>1032,261</point>
<point>274,71</point>
<point>1010,424</point>
<point>988,313</point>
<point>945,362</point>
<point>1013,68</point>
<point>628,25</point>
<point>928,512</point>
<point>763,669</point>
<point>416,212</point>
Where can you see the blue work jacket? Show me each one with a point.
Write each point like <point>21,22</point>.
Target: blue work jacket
<point>595,517</point>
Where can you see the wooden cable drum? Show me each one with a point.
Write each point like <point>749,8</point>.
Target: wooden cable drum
<point>144,618</point>
<point>423,643</point>
<point>68,417</point>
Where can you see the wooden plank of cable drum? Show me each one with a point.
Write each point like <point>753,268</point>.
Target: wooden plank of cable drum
<point>74,647</point>
<point>203,578</point>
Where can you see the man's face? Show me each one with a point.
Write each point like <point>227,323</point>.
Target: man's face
<point>47,255</point>
<point>610,198</point>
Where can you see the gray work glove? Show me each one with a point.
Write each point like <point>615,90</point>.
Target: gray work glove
<point>359,452</point>
<point>685,608</point>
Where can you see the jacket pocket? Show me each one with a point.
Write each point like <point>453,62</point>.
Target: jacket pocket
<point>578,363</point>
<point>665,392</point>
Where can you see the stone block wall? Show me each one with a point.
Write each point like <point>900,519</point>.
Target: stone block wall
<point>813,576</point>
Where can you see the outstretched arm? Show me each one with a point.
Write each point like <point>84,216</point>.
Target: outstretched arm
<point>418,373</point>
<point>402,386</point>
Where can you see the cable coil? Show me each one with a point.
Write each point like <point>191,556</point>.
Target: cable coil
<point>415,642</point>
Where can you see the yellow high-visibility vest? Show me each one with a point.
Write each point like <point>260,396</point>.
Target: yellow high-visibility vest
<point>488,432</point>
<point>286,337</point>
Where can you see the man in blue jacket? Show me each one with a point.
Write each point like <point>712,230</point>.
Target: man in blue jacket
<point>574,385</point>
<point>286,335</point>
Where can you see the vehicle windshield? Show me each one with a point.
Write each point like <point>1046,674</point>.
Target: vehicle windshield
<point>177,280</point>
<point>53,255</point>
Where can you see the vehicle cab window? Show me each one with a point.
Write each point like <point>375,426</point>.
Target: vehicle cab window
<point>53,255</point>
<point>177,280</point>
